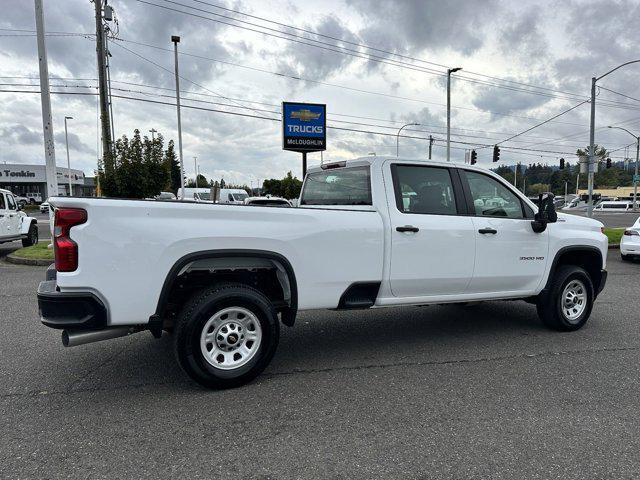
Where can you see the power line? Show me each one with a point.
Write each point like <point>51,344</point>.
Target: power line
<point>344,50</point>
<point>618,93</point>
<point>542,123</point>
<point>317,44</point>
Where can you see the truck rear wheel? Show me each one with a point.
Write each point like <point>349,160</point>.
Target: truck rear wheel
<point>32,236</point>
<point>226,335</point>
<point>568,303</point>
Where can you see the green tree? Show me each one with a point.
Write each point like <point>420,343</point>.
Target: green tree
<point>171,163</point>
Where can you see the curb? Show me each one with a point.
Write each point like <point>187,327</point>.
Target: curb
<point>37,262</point>
<point>614,246</point>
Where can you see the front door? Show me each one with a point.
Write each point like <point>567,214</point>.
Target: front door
<point>13,219</point>
<point>510,256</point>
<point>432,242</point>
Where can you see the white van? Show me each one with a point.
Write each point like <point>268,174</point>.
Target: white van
<point>197,194</point>
<point>613,206</point>
<point>235,196</point>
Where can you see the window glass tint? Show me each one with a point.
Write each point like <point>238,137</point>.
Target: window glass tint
<point>2,205</point>
<point>239,197</point>
<point>11,202</point>
<point>424,190</point>
<point>340,186</point>
<point>491,198</point>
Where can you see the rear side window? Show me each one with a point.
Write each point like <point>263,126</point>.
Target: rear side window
<point>340,186</point>
<point>10,202</point>
<point>2,205</point>
<point>425,190</point>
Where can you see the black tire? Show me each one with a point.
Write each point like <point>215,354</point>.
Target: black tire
<point>550,305</point>
<point>197,313</point>
<point>32,236</point>
<point>32,201</point>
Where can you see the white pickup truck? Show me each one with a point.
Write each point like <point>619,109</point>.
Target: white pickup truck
<point>368,233</point>
<point>14,224</point>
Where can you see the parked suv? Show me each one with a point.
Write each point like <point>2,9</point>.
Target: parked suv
<point>15,224</point>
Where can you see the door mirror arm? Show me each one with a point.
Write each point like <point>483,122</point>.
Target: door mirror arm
<point>546,213</point>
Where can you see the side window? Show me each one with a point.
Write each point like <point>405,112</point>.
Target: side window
<point>491,198</point>
<point>425,190</point>
<point>230,197</point>
<point>2,205</point>
<point>10,202</point>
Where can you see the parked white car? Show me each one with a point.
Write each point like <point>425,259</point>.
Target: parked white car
<point>368,233</point>
<point>14,224</point>
<point>616,206</point>
<point>195,194</point>
<point>630,242</point>
<point>44,207</point>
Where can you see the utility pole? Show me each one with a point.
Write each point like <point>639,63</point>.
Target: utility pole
<point>195,169</point>
<point>153,134</point>
<point>45,99</point>
<point>592,148</point>
<point>175,39</point>
<point>103,90</point>
<point>430,145</point>
<point>66,141</point>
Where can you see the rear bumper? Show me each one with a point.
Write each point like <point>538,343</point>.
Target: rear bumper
<point>78,310</point>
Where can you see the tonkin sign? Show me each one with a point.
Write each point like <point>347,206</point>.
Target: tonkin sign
<point>304,127</point>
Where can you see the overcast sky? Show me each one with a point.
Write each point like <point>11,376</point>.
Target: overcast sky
<point>556,46</point>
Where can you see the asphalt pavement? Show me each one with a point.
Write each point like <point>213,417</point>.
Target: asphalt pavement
<point>432,392</point>
<point>614,220</point>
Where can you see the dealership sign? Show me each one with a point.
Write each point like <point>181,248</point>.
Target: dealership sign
<point>16,173</point>
<point>304,127</point>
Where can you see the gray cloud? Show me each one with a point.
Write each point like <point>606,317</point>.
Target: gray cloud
<point>414,25</point>
<point>314,62</point>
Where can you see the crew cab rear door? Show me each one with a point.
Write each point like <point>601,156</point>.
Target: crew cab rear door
<point>432,240</point>
<point>510,257</point>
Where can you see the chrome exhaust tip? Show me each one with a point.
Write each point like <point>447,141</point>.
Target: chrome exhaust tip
<point>73,338</point>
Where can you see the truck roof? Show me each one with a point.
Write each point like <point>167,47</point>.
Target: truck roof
<point>376,160</point>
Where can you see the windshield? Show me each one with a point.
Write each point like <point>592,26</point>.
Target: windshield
<point>239,197</point>
<point>344,186</point>
<point>202,196</point>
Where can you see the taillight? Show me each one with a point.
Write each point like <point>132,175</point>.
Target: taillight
<point>65,249</point>
<point>631,233</point>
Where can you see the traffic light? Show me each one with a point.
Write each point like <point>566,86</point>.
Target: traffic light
<point>608,163</point>
<point>562,164</point>
<point>474,157</point>
<point>496,153</point>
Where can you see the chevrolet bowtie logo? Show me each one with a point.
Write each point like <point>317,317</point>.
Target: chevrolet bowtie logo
<point>305,115</point>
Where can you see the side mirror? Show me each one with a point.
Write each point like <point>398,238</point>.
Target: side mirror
<point>546,213</point>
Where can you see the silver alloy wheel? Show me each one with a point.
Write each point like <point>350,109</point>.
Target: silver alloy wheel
<point>231,338</point>
<point>574,300</point>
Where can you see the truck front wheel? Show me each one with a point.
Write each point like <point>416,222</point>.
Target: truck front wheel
<point>226,335</point>
<point>568,303</point>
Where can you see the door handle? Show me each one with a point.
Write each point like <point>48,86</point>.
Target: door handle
<point>407,228</point>
<point>488,230</point>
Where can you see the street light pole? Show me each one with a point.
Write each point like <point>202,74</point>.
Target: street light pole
<point>449,72</point>
<point>592,125</point>
<point>398,136</point>
<point>175,39</point>
<point>66,140</point>
<point>635,183</point>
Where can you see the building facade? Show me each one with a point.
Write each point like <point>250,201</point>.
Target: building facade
<point>30,181</point>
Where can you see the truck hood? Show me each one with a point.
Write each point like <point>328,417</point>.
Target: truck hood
<point>585,222</point>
